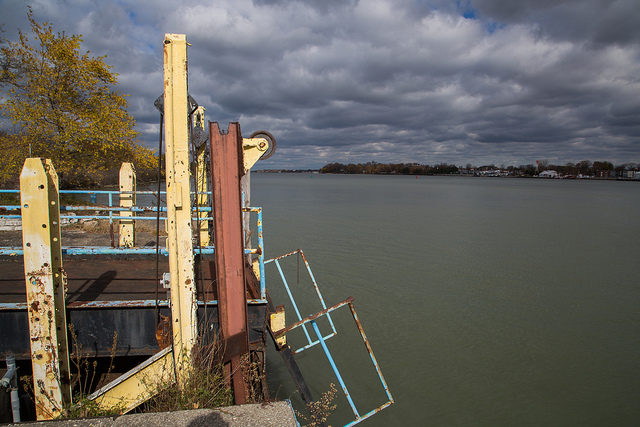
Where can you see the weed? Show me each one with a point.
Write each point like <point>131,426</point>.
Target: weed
<point>254,376</point>
<point>204,385</point>
<point>83,381</point>
<point>321,409</point>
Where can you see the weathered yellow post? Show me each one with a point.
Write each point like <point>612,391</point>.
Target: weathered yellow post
<point>127,229</point>
<point>142,382</point>
<point>46,287</point>
<point>201,180</point>
<point>179,244</point>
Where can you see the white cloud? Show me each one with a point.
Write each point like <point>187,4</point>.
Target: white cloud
<point>396,81</point>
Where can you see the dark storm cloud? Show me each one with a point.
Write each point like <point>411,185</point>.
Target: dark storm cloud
<point>428,81</point>
<point>598,21</point>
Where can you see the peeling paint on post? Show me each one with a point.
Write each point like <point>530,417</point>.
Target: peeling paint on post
<point>179,234</point>
<point>46,287</point>
<point>127,229</point>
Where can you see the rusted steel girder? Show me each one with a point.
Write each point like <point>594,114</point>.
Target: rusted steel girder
<point>226,171</point>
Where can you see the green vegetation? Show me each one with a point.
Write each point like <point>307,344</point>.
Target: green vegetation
<point>584,167</point>
<point>390,168</point>
<point>63,105</point>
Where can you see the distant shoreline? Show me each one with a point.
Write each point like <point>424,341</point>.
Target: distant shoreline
<point>317,172</point>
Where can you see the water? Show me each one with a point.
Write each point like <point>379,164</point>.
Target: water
<point>487,301</point>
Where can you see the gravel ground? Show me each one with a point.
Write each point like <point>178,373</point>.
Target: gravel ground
<point>274,414</point>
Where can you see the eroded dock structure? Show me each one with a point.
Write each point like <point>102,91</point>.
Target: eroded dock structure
<point>149,306</point>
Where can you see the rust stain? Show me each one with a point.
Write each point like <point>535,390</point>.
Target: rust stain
<point>283,331</point>
<point>163,331</point>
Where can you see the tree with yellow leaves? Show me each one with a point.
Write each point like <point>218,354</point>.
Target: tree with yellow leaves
<point>64,106</point>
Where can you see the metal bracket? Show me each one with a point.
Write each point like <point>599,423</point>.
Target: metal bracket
<point>252,150</point>
<point>260,145</point>
<point>166,280</point>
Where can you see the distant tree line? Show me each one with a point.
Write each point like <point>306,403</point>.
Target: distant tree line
<point>584,167</point>
<point>390,168</point>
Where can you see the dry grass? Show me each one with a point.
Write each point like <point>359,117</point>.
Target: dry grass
<point>204,385</point>
<point>320,410</point>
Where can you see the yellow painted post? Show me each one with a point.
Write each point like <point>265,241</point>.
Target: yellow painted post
<point>46,287</point>
<point>201,180</point>
<point>179,244</point>
<point>127,228</point>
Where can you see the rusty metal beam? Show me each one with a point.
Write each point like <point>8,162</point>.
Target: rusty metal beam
<point>45,282</point>
<point>226,170</point>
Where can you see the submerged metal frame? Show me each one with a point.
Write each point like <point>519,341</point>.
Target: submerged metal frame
<point>320,339</point>
<point>312,320</point>
<point>276,261</point>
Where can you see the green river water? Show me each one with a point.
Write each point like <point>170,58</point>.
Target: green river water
<point>487,301</point>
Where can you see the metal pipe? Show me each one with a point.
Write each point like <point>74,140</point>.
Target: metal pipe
<point>315,285</point>
<point>370,350</point>
<point>335,368</point>
<point>308,346</point>
<point>10,380</point>
<point>368,414</point>
<point>7,379</point>
<point>308,319</point>
<point>263,289</point>
<point>317,288</point>
<point>293,301</point>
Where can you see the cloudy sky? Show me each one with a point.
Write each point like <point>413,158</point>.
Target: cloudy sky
<point>468,81</point>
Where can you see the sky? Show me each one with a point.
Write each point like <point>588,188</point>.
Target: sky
<point>504,82</point>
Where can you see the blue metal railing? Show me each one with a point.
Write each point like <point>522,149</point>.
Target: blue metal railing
<point>276,261</point>
<point>110,209</point>
<point>322,341</point>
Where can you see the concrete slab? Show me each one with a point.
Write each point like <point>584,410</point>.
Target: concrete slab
<point>276,414</point>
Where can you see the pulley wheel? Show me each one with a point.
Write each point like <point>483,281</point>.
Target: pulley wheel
<point>272,142</point>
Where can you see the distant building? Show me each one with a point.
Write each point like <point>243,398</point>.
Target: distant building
<point>548,174</point>
<point>633,174</point>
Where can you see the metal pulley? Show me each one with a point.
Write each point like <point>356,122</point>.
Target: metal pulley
<point>259,146</point>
